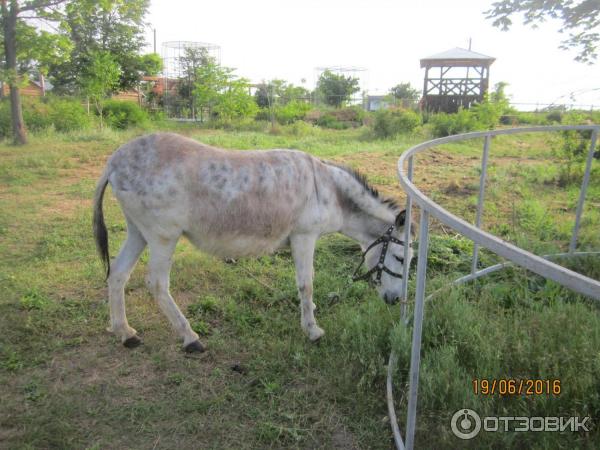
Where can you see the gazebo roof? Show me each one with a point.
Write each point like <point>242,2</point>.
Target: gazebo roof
<point>457,57</point>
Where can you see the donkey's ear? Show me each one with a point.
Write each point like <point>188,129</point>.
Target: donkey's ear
<point>401,218</point>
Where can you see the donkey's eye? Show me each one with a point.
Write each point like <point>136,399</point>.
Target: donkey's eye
<point>399,258</point>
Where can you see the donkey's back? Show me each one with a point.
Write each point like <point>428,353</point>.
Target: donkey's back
<point>228,203</point>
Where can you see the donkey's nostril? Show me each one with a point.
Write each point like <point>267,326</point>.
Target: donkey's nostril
<point>390,299</point>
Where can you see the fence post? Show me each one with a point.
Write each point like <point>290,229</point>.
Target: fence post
<point>406,265</point>
<point>415,357</point>
<point>482,177</point>
<point>584,186</point>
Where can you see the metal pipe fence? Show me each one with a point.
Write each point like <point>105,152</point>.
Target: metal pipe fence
<point>541,265</point>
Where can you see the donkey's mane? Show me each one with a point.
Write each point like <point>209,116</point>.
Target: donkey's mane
<point>362,179</point>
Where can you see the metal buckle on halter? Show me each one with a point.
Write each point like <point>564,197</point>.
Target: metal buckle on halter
<point>380,267</point>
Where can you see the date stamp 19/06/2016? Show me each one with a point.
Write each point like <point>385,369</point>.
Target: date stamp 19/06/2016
<point>509,386</point>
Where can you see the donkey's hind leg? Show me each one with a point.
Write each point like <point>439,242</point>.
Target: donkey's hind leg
<point>120,270</point>
<point>158,282</point>
<point>303,249</point>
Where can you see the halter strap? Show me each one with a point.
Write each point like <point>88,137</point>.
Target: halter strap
<point>380,267</point>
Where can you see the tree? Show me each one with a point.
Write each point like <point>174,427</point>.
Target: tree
<point>37,50</point>
<point>235,101</point>
<point>281,98</point>
<point>580,18</point>
<point>337,89</point>
<point>114,26</point>
<point>12,16</point>
<point>211,80</point>
<point>280,91</point>
<point>405,92</point>
<point>190,62</point>
<point>100,79</point>
<point>150,64</point>
<point>221,93</point>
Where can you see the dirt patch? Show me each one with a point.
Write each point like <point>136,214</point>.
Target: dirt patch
<point>456,188</point>
<point>342,439</point>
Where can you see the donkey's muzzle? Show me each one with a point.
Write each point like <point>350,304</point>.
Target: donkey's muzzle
<point>390,299</point>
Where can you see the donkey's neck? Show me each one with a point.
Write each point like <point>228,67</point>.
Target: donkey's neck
<point>365,215</point>
<point>362,227</point>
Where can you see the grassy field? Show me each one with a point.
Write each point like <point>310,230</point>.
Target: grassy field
<point>66,383</point>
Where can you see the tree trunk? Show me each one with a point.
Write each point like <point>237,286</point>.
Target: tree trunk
<point>9,22</point>
<point>43,84</point>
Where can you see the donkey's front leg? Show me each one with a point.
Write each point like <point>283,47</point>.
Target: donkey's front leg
<point>303,249</point>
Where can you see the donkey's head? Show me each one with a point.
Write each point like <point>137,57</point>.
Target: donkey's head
<point>385,260</point>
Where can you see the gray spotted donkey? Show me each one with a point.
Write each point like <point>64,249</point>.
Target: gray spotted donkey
<point>238,203</point>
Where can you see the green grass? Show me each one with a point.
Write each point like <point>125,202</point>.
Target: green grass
<point>66,383</point>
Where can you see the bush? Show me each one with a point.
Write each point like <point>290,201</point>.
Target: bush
<point>5,125</point>
<point>574,149</point>
<point>487,114</point>
<point>327,120</point>
<point>447,124</point>
<point>353,114</point>
<point>300,128</point>
<point>36,114</point>
<point>339,119</point>
<point>291,111</point>
<point>61,113</point>
<point>531,118</point>
<point>554,116</point>
<point>122,115</point>
<point>245,124</point>
<point>389,123</point>
<point>68,115</point>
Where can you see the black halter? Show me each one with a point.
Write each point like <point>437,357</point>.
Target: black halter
<point>380,267</point>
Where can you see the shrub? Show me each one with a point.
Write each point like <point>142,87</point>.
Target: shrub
<point>5,125</point>
<point>36,114</point>
<point>291,111</point>
<point>554,116</point>
<point>447,124</point>
<point>531,118</point>
<point>487,114</point>
<point>389,123</point>
<point>122,115</point>
<point>353,114</point>
<point>574,149</point>
<point>327,120</point>
<point>339,119</point>
<point>68,115</point>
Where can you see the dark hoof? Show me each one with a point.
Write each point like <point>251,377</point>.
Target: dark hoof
<point>239,368</point>
<point>132,342</point>
<point>317,341</point>
<point>194,347</point>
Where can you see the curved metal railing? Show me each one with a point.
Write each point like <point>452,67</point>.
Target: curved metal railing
<point>540,265</point>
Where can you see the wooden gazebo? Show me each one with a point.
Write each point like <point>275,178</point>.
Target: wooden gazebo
<point>462,80</point>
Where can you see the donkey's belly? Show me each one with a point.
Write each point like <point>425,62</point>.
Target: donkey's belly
<point>236,245</point>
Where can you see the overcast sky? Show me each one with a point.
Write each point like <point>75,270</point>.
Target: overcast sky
<point>287,39</point>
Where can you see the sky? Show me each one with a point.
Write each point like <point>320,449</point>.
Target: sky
<point>288,39</point>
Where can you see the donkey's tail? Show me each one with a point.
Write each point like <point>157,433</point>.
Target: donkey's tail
<point>100,231</point>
